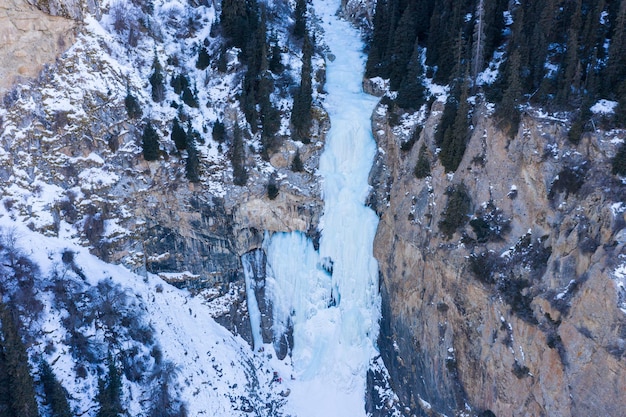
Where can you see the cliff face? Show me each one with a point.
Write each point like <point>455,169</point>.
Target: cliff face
<point>521,310</point>
<point>29,38</point>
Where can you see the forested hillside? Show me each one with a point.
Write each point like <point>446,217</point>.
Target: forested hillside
<point>560,55</point>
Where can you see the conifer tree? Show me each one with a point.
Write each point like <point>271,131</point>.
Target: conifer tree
<point>18,396</point>
<point>411,93</point>
<point>422,167</point>
<point>508,111</point>
<point>237,158</point>
<point>109,395</point>
<point>178,135</point>
<point>299,28</point>
<point>219,131</point>
<point>275,63</point>
<point>204,59</point>
<point>150,143</point>
<point>192,167</point>
<point>55,394</point>
<point>133,109</point>
<point>156,81</point>
<point>303,99</point>
<point>456,136</point>
<point>296,163</point>
<point>179,83</point>
<point>403,47</point>
<point>190,98</point>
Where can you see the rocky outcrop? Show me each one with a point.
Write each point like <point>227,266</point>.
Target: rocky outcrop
<point>29,39</point>
<point>520,311</point>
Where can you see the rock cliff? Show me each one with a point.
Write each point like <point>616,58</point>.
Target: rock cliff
<point>520,309</point>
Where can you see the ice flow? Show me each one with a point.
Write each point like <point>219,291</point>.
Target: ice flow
<point>331,296</point>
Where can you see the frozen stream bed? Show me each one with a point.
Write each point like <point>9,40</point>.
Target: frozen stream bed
<point>331,296</point>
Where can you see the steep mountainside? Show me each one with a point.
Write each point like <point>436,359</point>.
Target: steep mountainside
<point>503,284</point>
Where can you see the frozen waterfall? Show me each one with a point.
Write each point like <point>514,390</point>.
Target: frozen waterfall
<point>331,296</point>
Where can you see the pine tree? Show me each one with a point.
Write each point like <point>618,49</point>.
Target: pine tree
<point>150,143</point>
<point>273,188</point>
<point>109,395</point>
<point>303,99</point>
<point>178,135</point>
<point>19,398</point>
<point>237,158</point>
<point>179,83</point>
<point>192,167</point>
<point>204,59</point>
<point>422,167</point>
<point>157,82</point>
<point>403,47</point>
<point>190,98</point>
<point>411,94</point>
<point>456,136</point>
<point>55,394</point>
<point>619,161</point>
<point>508,111</point>
<point>275,63</point>
<point>133,109</point>
<point>299,28</point>
<point>296,163</point>
<point>376,65</point>
<point>219,131</point>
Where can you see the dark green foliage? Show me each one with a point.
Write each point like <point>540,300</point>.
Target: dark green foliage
<point>17,390</point>
<point>403,48</point>
<point>133,109</point>
<point>178,135</point>
<point>219,131</point>
<point>238,158</point>
<point>484,266</point>
<point>456,213</point>
<point>275,63</point>
<point>456,135</point>
<point>508,112</point>
<point>222,61</point>
<point>299,28</point>
<point>157,81</point>
<point>569,181</point>
<point>269,115</point>
<point>239,19</point>
<point>415,136</point>
<point>179,83</point>
<point>204,59</point>
<point>150,143</point>
<point>55,394</point>
<point>190,98</point>
<point>192,166</point>
<point>490,224</point>
<point>411,94</point>
<point>520,371</point>
<point>422,167</point>
<point>272,188</point>
<point>515,293</point>
<point>303,98</point>
<point>619,161</point>
<point>163,405</point>
<point>109,395</point>
<point>296,163</point>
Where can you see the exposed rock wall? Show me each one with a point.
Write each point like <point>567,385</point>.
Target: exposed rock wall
<point>522,321</point>
<point>29,39</point>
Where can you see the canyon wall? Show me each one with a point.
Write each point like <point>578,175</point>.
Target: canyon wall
<point>520,311</point>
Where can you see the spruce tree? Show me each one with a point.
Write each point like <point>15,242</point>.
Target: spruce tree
<point>178,135</point>
<point>190,98</point>
<point>303,99</point>
<point>508,112</point>
<point>411,94</point>
<point>296,163</point>
<point>422,167</point>
<point>55,394</point>
<point>109,395</point>
<point>403,47</point>
<point>157,81</point>
<point>238,158</point>
<point>219,131</point>
<point>456,136</point>
<point>204,59</point>
<point>133,109</point>
<point>19,397</point>
<point>299,28</point>
<point>179,83</point>
<point>150,143</point>
<point>619,161</point>
<point>192,167</point>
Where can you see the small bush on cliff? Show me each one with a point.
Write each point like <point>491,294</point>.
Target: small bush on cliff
<point>619,161</point>
<point>456,213</point>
